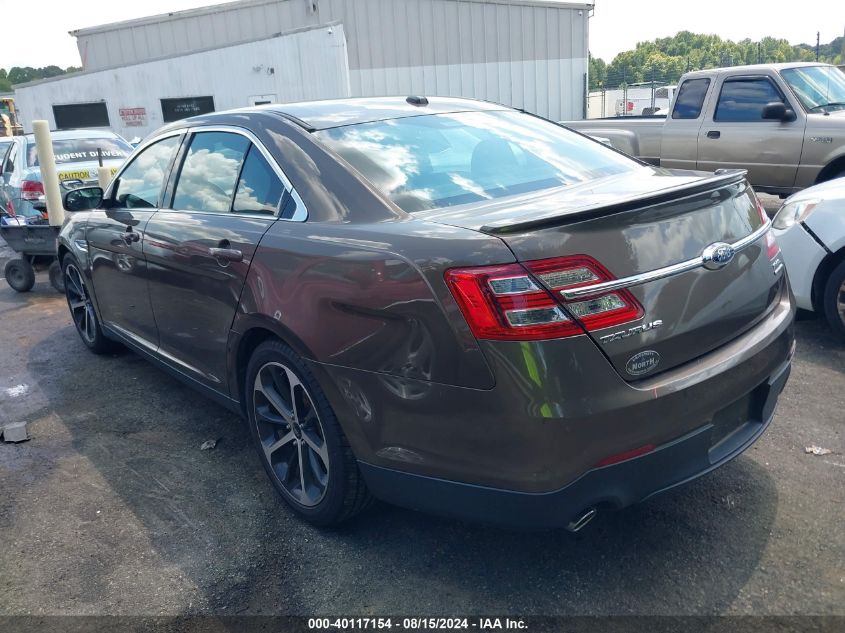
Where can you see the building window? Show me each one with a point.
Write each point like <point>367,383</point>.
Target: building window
<point>177,109</point>
<point>75,115</point>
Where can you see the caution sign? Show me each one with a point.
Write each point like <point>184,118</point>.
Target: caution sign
<point>79,174</point>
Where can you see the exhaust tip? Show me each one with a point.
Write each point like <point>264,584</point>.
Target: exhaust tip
<point>581,520</point>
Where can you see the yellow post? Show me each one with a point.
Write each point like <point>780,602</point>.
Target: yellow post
<point>49,177</point>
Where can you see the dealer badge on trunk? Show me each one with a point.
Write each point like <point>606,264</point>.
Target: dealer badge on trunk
<point>642,363</point>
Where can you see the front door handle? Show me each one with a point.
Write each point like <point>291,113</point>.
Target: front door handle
<point>226,254</point>
<point>714,134</point>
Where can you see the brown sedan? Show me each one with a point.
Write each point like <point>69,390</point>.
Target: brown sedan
<point>447,304</point>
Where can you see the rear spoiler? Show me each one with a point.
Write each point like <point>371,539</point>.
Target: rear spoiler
<point>721,178</point>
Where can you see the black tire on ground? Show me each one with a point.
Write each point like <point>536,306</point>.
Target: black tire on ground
<point>82,311</point>
<point>834,300</point>
<point>325,492</point>
<point>57,277</point>
<point>20,274</point>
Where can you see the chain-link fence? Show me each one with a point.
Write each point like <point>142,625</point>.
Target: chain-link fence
<point>634,92</point>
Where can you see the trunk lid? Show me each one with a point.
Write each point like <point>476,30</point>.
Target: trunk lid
<point>652,227</point>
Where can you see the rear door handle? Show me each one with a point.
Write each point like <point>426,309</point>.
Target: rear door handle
<point>226,254</point>
<point>714,134</point>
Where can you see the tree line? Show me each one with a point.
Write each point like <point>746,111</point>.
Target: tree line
<point>664,60</point>
<point>21,75</point>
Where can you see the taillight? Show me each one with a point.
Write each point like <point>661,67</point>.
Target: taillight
<point>761,210</point>
<point>523,301</point>
<point>772,248</point>
<point>31,190</point>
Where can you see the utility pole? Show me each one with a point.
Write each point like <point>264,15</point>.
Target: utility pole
<point>818,35</point>
<point>759,52</point>
<point>653,68</point>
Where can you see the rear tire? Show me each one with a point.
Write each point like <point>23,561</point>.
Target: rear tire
<point>834,300</point>
<point>293,425</point>
<point>20,274</point>
<point>82,311</point>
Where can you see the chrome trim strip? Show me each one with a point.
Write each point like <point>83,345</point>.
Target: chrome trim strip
<point>660,273</point>
<point>156,350</point>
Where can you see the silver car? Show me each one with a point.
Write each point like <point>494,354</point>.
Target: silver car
<point>810,228</point>
<point>77,158</point>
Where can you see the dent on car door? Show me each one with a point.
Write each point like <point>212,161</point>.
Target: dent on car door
<point>115,237</point>
<point>738,137</point>
<point>199,250</point>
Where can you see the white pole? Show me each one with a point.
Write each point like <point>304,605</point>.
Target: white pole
<point>49,177</point>
<point>103,177</point>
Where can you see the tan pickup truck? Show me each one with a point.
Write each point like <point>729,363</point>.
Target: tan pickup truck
<point>784,123</point>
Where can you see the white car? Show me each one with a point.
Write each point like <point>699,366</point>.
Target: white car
<point>810,228</point>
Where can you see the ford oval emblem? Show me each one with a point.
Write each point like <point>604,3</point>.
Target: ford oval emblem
<point>642,363</point>
<point>717,256</point>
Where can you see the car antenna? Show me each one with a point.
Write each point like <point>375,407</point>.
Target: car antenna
<point>417,101</point>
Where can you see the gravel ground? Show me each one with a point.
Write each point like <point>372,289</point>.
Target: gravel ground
<point>112,508</point>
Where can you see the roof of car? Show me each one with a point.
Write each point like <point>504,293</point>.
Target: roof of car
<point>322,115</point>
<point>752,68</point>
<point>58,135</point>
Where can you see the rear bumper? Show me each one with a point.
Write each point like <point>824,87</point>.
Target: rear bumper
<point>616,486</point>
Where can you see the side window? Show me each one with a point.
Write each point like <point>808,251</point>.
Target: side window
<point>9,163</point>
<point>140,184</point>
<point>690,99</point>
<point>744,99</point>
<point>259,189</point>
<point>210,172</point>
<point>4,148</point>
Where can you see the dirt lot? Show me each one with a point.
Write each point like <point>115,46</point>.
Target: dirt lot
<point>112,508</point>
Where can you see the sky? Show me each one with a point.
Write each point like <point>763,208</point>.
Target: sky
<point>616,26</point>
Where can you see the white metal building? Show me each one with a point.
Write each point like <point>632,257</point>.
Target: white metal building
<point>529,54</point>
<point>136,99</point>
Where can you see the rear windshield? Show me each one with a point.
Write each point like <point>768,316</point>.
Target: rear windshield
<point>82,150</point>
<point>432,161</point>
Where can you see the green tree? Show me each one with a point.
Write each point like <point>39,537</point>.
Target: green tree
<point>665,59</point>
<point>20,75</point>
<point>598,73</point>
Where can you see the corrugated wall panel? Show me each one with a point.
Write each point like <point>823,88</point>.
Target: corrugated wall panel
<point>522,55</point>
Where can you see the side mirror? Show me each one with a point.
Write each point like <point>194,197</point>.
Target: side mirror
<point>777,111</point>
<point>83,199</point>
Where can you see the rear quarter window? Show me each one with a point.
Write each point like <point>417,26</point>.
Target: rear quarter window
<point>690,100</point>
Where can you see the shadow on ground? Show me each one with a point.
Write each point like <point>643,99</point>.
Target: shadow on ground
<point>208,529</point>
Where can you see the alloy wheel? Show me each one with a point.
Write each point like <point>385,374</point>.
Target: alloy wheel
<point>291,433</point>
<point>840,302</point>
<point>81,308</point>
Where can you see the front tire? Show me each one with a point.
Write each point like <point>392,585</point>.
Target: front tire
<point>299,440</point>
<point>834,300</point>
<point>82,311</point>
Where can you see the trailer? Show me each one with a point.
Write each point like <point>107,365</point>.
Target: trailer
<point>37,249</point>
